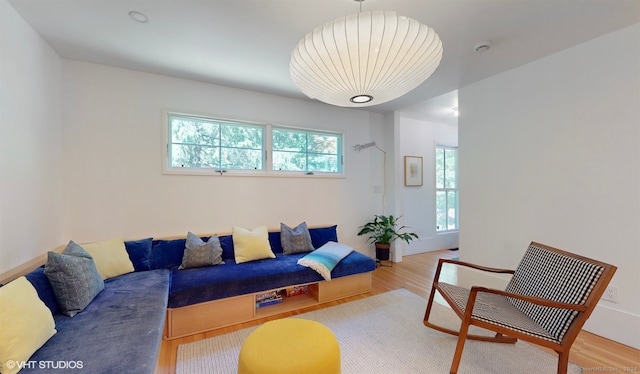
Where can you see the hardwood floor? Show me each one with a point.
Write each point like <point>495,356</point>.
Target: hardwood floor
<point>415,273</point>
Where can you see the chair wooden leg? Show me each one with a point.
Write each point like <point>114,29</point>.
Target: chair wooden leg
<point>436,278</point>
<point>429,304</point>
<point>563,362</point>
<point>462,337</point>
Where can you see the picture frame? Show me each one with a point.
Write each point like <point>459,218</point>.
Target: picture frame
<point>412,171</point>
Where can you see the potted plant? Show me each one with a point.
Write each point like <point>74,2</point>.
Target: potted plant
<point>384,230</point>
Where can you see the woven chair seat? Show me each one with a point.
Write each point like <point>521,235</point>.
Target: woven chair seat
<point>496,310</point>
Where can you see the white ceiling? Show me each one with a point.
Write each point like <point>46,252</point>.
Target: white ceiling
<point>248,43</point>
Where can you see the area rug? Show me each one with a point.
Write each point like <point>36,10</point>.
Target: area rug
<point>384,334</point>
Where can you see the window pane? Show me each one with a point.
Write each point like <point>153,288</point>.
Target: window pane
<point>450,156</point>
<point>323,163</point>
<point>194,156</point>
<point>441,211</point>
<point>235,158</point>
<point>299,150</point>
<point>292,161</point>
<point>325,144</point>
<point>211,144</point>
<point>452,210</point>
<point>439,167</point>
<point>240,136</point>
<point>194,132</point>
<point>285,140</point>
<point>446,188</point>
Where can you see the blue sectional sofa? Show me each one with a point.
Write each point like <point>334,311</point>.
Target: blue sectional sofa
<point>121,330</point>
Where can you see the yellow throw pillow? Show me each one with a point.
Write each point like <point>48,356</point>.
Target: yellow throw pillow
<point>110,256</point>
<point>26,324</point>
<point>251,245</point>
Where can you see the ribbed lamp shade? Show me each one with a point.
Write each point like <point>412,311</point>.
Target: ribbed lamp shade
<point>365,59</point>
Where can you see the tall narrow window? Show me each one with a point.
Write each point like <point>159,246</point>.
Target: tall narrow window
<point>306,151</point>
<point>446,188</point>
<point>204,143</point>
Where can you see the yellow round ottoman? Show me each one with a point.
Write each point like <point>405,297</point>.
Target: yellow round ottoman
<point>290,345</point>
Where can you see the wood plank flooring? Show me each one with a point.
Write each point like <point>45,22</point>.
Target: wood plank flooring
<point>415,273</point>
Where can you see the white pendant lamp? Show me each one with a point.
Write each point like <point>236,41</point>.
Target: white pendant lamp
<point>365,59</point>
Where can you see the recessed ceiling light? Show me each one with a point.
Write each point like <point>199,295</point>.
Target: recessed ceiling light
<point>482,46</point>
<point>138,17</point>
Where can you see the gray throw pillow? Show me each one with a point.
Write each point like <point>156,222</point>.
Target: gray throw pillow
<point>197,253</point>
<point>74,278</point>
<point>297,240</point>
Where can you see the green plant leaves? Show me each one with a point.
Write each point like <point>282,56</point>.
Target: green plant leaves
<point>383,229</point>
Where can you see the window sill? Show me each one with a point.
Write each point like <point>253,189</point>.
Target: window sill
<point>447,232</point>
<point>251,173</point>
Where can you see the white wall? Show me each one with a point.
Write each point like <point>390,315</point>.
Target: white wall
<point>417,205</point>
<point>380,154</point>
<point>31,142</point>
<point>550,152</point>
<point>112,157</point>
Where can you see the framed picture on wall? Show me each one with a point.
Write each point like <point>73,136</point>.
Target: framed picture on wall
<point>412,171</point>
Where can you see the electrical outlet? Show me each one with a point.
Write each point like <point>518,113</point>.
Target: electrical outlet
<point>610,294</point>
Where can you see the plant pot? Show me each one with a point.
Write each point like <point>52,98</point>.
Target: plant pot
<point>382,251</point>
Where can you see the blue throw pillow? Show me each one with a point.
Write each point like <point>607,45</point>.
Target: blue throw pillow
<point>74,278</point>
<point>226,242</point>
<point>166,254</point>
<point>41,283</point>
<point>275,241</point>
<point>139,253</point>
<point>320,236</point>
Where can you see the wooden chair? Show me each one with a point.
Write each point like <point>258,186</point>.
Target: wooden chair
<point>547,301</point>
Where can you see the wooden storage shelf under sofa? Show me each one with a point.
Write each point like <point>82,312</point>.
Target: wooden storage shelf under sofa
<point>215,314</point>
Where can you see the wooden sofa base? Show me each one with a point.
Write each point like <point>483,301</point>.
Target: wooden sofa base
<point>215,314</point>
